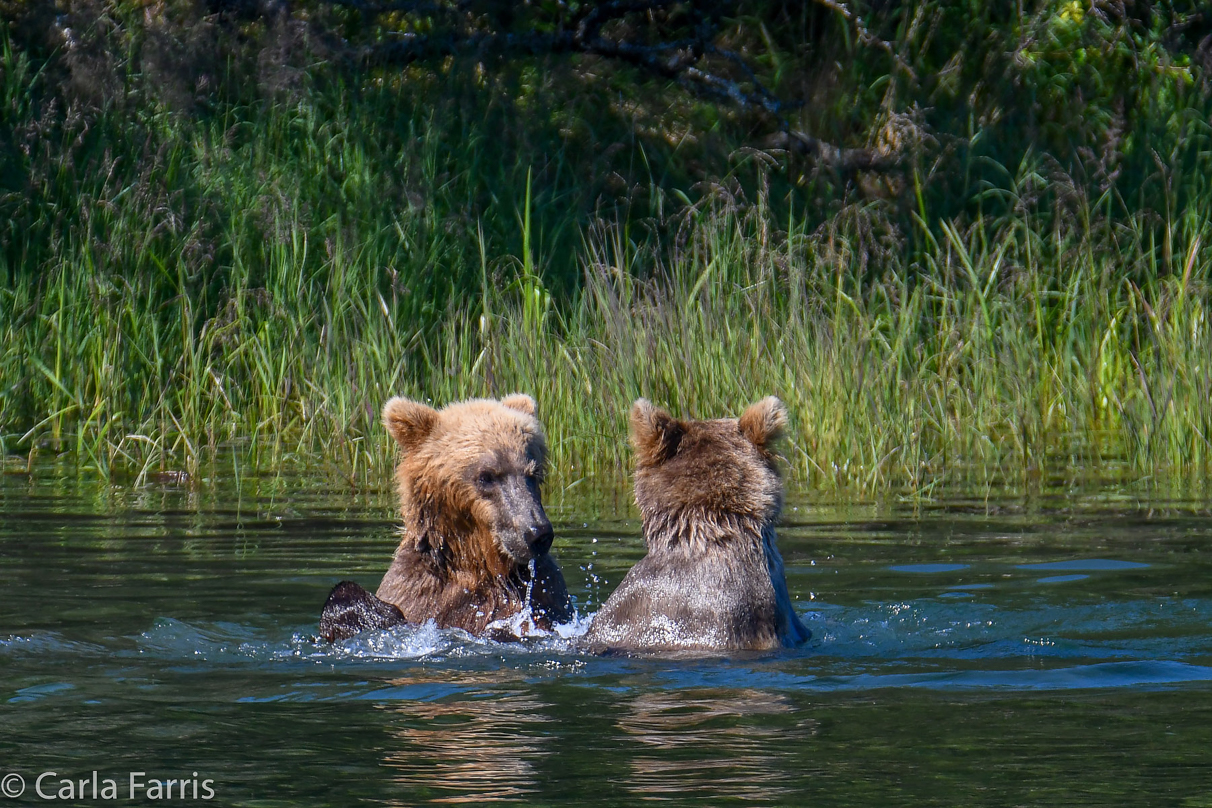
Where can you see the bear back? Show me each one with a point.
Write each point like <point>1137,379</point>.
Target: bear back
<point>709,493</point>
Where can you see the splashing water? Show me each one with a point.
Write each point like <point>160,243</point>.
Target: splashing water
<point>522,624</point>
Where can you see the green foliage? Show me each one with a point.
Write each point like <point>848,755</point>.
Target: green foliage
<point>220,239</point>
<point>1013,355</point>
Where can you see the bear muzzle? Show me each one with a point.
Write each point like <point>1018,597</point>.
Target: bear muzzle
<point>528,540</point>
<point>539,537</point>
<point>524,532</point>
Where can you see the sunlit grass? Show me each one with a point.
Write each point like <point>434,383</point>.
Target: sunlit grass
<point>990,351</point>
<point>253,283</point>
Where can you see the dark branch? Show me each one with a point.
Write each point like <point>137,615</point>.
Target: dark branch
<point>865,36</point>
<point>824,154</point>
<point>694,61</point>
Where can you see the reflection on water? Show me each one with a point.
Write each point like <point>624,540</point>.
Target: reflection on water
<point>958,657</point>
<point>708,743</point>
<point>468,750</point>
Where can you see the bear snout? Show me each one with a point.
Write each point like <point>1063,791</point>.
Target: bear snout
<point>524,530</point>
<point>539,537</point>
<point>527,539</point>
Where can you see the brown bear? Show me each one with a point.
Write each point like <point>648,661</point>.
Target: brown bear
<point>473,554</point>
<point>709,493</point>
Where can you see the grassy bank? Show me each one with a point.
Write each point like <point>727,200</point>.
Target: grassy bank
<point>991,351</point>
<point>222,239</point>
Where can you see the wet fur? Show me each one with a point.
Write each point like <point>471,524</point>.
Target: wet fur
<point>709,493</point>
<point>350,610</point>
<point>460,558</point>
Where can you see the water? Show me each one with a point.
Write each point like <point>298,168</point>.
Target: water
<point>1050,652</point>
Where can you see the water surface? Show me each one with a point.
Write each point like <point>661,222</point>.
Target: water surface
<point>1044,652</point>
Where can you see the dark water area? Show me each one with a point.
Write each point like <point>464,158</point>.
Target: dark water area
<point>1047,651</point>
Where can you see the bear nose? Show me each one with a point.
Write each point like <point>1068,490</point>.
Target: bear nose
<point>539,537</point>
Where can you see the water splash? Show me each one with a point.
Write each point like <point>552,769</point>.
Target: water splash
<point>41,643</point>
<point>522,624</point>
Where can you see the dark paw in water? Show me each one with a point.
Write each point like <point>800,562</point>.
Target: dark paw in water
<point>350,610</point>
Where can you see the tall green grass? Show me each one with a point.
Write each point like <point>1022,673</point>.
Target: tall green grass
<point>996,350</point>
<point>990,353</point>
<point>238,287</point>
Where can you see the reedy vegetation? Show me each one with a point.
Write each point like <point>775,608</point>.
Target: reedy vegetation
<point>249,287</point>
<point>1011,351</point>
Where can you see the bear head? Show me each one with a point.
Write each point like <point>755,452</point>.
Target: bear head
<point>469,478</point>
<point>700,480</point>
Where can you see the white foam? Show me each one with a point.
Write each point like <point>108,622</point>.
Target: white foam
<point>400,642</point>
<point>172,639</point>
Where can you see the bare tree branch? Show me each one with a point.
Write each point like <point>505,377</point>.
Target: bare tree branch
<point>693,60</point>
<point>833,157</point>
<point>865,36</point>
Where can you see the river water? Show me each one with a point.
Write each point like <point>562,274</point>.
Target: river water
<point>1042,650</point>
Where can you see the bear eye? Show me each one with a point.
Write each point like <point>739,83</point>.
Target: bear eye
<point>487,478</point>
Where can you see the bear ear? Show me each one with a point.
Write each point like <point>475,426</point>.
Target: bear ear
<point>521,402</point>
<point>763,423</point>
<point>655,434</point>
<point>409,422</point>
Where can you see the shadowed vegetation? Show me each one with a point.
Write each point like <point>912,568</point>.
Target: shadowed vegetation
<point>226,236</point>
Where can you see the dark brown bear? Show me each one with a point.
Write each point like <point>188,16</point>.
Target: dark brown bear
<point>712,581</point>
<point>473,554</point>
